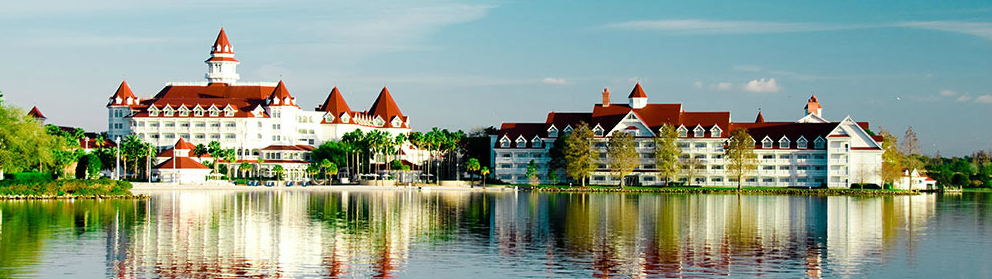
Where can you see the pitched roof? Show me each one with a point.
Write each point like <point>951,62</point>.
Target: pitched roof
<point>36,113</point>
<point>335,104</point>
<point>180,163</point>
<point>298,147</point>
<point>184,145</point>
<point>222,45</point>
<point>638,92</point>
<point>760,119</point>
<point>812,104</point>
<point>385,107</point>
<point>706,120</point>
<point>791,130</point>
<point>515,130</point>
<point>123,96</point>
<point>280,96</point>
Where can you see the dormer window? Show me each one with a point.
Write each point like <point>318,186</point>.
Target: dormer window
<point>397,122</point>
<point>345,118</point>
<point>214,111</point>
<point>783,143</point>
<point>536,142</point>
<point>598,131</point>
<point>229,111</point>
<point>152,111</point>
<point>168,110</point>
<point>198,111</point>
<point>505,142</point>
<point>552,132</point>
<point>801,143</point>
<point>521,142</point>
<point>715,131</point>
<point>683,132</point>
<point>568,129</point>
<point>698,131</point>
<point>766,143</point>
<point>820,143</point>
<point>378,122</point>
<point>183,111</point>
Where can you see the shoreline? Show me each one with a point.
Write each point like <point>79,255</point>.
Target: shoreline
<point>139,187</point>
<point>132,196</point>
<point>725,191</point>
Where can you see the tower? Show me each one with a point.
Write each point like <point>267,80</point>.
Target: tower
<point>637,98</point>
<point>813,106</point>
<point>222,67</point>
<point>120,105</point>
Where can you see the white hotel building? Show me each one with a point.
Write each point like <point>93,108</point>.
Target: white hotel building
<point>809,152</point>
<point>259,119</point>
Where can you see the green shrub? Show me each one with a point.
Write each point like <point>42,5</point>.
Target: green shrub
<point>28,176</point>
<point>79,187</point>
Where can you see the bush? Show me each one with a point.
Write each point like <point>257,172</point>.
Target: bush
<point>28,176</point>
<point>872,186</point>
<point>78,187</point>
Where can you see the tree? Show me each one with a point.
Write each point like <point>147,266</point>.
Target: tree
<point>579,162</point>
<point>891,157</point>
<point>910,144</point>
<point>312,170</point>
<point>230,155</point>
<point>214,148</point>
<point>200,150</point>
<point>691,168</point>
<point>24,144</point>
<point>325,164</point>
<point>278,169</point>
<point>667,152</point>
<point>472,166</point>
<point>557,157</point>
<point>740,156</point>
<point>331,169</point>
<point>532,172</point>
<point>484,171</point>
<point>621,155</point>
<point>244,168</point>
<point>260,161</point>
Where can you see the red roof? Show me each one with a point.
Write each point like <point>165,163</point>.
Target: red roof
<point>527,130</point>
<point>123,96</point>
<point>280,96</point>
<point>385,107</point>
<point>168,153</point>
<point>791,130</point>
<point>638,92</point>
<point>184,145</point>
<point>760,119</point>
<point>36,113</point>
<point>335,105</point>
<point>812,105</point>
<point>181,163</point>
<point>243,98</point>
<point>222,45</point>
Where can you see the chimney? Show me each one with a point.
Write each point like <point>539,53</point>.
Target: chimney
<point>606,97</point>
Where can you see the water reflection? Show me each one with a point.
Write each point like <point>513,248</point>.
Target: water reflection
<point>459,234</point>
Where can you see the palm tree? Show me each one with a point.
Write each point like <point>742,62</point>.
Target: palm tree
<point>259,172</point>
<point>312,170</point>
<point>278,169</point>
<point>216,151</point>
<point>229,156</point>
<point>472,166</point>
<point>331,169</point>
<point>324,164</point>
<point>244,168</point>
<point>484,171</point>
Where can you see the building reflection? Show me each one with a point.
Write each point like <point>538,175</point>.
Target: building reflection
<point>379,233</point>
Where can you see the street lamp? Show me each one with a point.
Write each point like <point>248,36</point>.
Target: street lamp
<point>117,162</point>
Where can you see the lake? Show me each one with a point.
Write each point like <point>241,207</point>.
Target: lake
<point>461,234</point>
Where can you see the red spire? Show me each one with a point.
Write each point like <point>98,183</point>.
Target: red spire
<point>184,145</point>
<point>335,103</point>
<point>222,45</point>
<point>280,96</point>
<point>385,107</point>
<point>760,119</point>
<point>123,96</point>
<point>638,92</point>
<point>36,113</point>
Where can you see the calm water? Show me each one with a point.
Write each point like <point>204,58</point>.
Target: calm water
<point>497,235</point>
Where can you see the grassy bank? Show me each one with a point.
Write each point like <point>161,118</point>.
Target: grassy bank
<point>64,188</point>
<point>719,190</point>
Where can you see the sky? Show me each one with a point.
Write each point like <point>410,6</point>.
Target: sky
<point>462,65</point>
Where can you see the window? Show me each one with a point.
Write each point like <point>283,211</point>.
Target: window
<point>700,156</point>
<point>819,157</point>
<point>768,167</point>
<point>505,142</point>
<point>198,111</point>
<point>553,132</point>
<point>783,180</point>
<point>568,129</point>
<point>200,136</point>
<point>215,136</point>
<point>683,132</point>
<point>784,156</point>
<point>698,132</point>
<point>229,136</point>
<point>766,143</point>
<point>801,143</point>
<point>700,145</point>
<point>229,124</point>
<point>802,156</point>
<point>767,157</point>
<point>506,166</point>
<point>521,143</point>
<point>170,124</point>
<point>183,111</point>
<point>715,131</point>
<point>783,143</point>
<point>184,125</point>
<point>536,142</point>
<point>599,178</point>
<point>684,145</point>
<point>768,180</point>
<point>802,168</point>
<point>717,167</point>
<point>199,125</point>
<point>598,131</point>
<point>717,156</point>
<point>783,167</point>
<point>276,126</point>
<point>803,180</point>
<point>155,136</point>
<point>170,136</point>
<point>153,124</point>
<point>820,143</point>
<point>716,179</point>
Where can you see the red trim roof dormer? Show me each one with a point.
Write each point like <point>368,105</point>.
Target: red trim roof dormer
<point>36,113</point>
<point>638,92</point>
<point>385,107</point>
<point>222,45</point>
<point>335,105</point>
<point>123,96</point>
<point>280,96</point>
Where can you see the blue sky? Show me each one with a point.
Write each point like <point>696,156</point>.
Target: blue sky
<point>467,64</point>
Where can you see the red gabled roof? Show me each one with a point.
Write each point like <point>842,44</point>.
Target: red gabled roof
<point>791,130</point>
<point>181,163</point>
<point>760,119</point>
<point>123,96</point>
<point>299,147</point>
<point>282,95</point>
<point>222,45</point>
<point>215,90</point>
<point>638,92</point>
<point>335,105</point>
<point>168,153</point>
<point>515,130</point>
<point>385,107</point>
<point>706,120</point>
<point>36,113</point>
<point>184,145</point>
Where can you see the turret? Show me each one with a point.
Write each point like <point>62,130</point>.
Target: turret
<point>222,67</point>
<point>637,98</point>
<point>813,107</point>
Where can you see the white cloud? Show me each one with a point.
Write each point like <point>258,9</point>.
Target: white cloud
<point>980,29</point>
<point>634,79</point>
<point>964,98</point>
<point>984,99</point>
<point>762,86</point>
<point>723,85</point>
<point>556,81</point>
<point>698,85</point>
<point>704,26</point>
<point>947,92</point>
